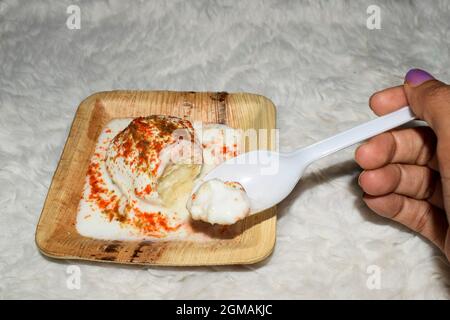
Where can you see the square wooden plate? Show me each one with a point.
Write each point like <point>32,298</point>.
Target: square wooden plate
<point>56,234</point>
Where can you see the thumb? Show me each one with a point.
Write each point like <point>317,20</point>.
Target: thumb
<point>430,100</point>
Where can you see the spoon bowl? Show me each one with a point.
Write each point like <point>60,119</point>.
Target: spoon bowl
<point>268,176</point>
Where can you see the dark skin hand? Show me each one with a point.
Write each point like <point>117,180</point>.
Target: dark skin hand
<point>406,174</point>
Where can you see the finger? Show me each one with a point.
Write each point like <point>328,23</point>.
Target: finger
<point>419,216</point>
<point>447,245</point>
<point>430,100</point>
<point>388,100</point>
<point>433,163</point>
<point>411,146</point>
<point>437,198</point>
<point>417,182</point>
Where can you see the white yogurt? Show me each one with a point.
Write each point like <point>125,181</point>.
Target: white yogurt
<point>94,218</point>
<point>219,143</point>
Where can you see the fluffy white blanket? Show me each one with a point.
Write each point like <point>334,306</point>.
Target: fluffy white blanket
<point>316,60</point>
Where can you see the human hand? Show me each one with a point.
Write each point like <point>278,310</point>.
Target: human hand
<point>406,173</point>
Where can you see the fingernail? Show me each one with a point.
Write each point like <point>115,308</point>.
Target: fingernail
<point>415,77</point>
<point>359,178</point>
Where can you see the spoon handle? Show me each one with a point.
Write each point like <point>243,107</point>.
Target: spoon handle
<point>355,135</point>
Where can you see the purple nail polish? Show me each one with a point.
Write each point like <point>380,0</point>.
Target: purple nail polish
<point>415,77</point>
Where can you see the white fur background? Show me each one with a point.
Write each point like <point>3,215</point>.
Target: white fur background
<point>316,60</point>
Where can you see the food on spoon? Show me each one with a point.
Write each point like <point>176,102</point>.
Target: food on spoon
<point>219,202</point>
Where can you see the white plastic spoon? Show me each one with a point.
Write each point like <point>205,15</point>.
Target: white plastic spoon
<point>268,177</point>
